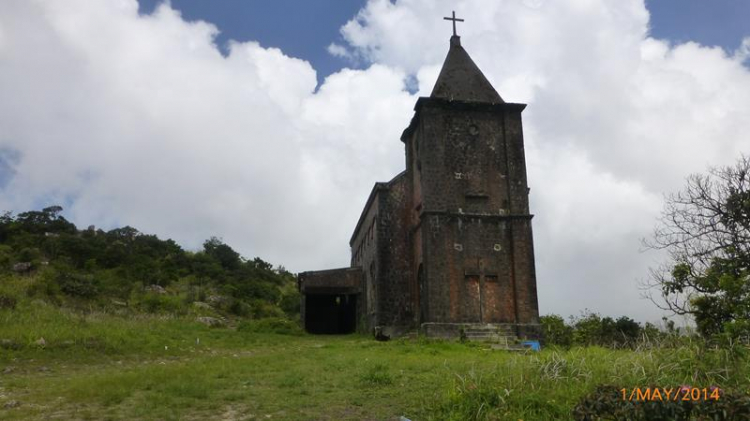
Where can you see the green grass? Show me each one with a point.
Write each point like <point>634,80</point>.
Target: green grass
<point>101,366</point>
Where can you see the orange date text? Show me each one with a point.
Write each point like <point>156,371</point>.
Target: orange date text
<point>682,393</point>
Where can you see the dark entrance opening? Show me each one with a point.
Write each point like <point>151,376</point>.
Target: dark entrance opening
<point>331,313</point>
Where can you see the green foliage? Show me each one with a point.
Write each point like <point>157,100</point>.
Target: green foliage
<point>77,285</point>
<point>555,331</point>
<point>29,254</point>
<point>45,285</point>
<point>98,267</point>
<point>592,329</point>
<point>290,301</point>
<point>222,253</point>
<point>705,231</point>
<point>724,304</point>
<point>160,303</point>
<point>240,308</point>
<point>6,257</point>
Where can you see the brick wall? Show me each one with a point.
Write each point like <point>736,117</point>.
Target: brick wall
<point>473,224</point>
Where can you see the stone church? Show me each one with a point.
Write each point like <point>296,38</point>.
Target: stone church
<point>446,245</point>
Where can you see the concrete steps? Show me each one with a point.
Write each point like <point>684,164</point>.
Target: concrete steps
<point>498,336</point>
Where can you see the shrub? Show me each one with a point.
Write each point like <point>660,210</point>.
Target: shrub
<point>588,329</point>
<point>592,329</point>
<point>6,257</point>
<point>29,254</point>
<point>45,285</point>
<point>114,284</point>
<point>260,309</point>
<point>195,292</point>
<point>161,303</point>
<point>239,308</point>
<point>555,331</point>
<point>78,285</point>
<point>290,302</point>
<point>10,291</point>
<point>627,329</point>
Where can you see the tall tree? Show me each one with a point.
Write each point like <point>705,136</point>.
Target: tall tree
<point>705,231</point>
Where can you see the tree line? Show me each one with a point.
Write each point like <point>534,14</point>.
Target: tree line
<point>592,329</point>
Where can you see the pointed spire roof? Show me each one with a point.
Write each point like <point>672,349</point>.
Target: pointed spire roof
<point>461,80</point>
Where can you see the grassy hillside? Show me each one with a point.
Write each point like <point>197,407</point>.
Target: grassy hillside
<point>100,365</point>
<point>126,272</point>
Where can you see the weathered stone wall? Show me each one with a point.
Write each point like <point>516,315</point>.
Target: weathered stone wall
<point>365,254</point>
<point>472,201</point>
<point>464,158</point>
<point>332,281</point>
<point>528,304</point>
<point>413,208</point>
<point>397,305</point>
<point>468,267</point>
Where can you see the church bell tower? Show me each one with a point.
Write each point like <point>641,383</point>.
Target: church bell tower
<point>472,242</point>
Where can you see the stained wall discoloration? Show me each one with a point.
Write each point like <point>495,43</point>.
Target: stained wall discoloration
<point>449,240</point>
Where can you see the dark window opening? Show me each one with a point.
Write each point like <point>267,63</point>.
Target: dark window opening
<point>332,314</point>
<point>476,197</point>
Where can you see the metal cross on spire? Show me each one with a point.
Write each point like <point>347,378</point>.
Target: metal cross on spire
<point>454,19</point>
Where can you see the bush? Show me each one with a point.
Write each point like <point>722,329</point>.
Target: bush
<point>260,309</point>
<point>6,257</point>
<point>555,331</point>
<point>592,329</point>
<point>10,292</point>
<point>113,284</point>
<point>78,285</point>
<point>290,302</point>
<point>45,285</point>
<point>195,292</point>
<point>271,325</point>
<point>239,308</point>
<point>29,254</point>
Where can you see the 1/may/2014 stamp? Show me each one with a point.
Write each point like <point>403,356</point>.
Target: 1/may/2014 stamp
<point>681,393</point>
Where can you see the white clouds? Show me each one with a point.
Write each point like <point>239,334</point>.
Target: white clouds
<point>337,50</point>
<point>140,120</point>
